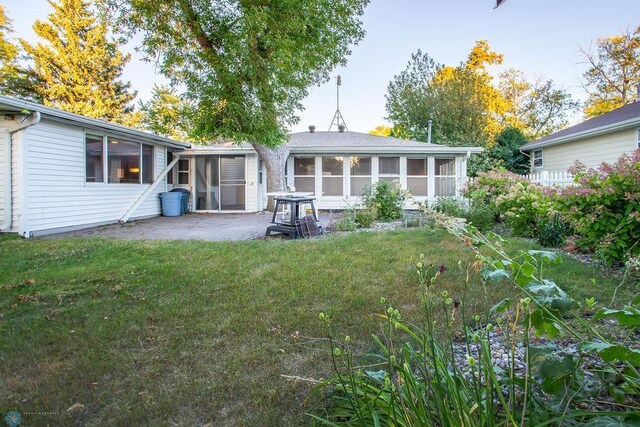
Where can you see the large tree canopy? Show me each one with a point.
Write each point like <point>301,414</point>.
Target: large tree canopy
<point>614,72</point>
<point>246,63</point>
<point>78,67</point>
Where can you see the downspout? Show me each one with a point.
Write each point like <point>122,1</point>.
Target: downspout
<point>30,120</point>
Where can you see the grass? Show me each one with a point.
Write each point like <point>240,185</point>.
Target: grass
<point>142,332</point>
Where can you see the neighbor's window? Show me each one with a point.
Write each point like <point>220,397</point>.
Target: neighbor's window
<point>638,137</point>
<point>445,177</point>
<point>332,175</point>
<point>124,161</point>
<point>360,174</point>
<point>417,177</point>
<point>304,174</point>
<point>389,168</point>
<point>183,171</point>
<point>537,159</point>
<point>94,171</point>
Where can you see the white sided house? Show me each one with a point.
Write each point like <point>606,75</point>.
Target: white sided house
<point>62,171</point>
<point>601,139</point>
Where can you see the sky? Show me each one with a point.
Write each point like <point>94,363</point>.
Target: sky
<point>539,37</point>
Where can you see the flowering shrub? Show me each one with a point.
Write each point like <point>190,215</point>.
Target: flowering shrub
<point>604,208</point>
<point>524,207</point>
<point>489,185</point>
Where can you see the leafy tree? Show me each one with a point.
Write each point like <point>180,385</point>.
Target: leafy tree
<point>78,66</point>
<point>505,151</point>
<point>167,114</point>
<point>614,72</point>
<point>535,107</point>
<point>381,130</point>
<point>15,80</point>
<point>461,101</point>
<point>246,64</point>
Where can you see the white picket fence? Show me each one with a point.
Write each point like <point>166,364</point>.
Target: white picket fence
<point>550,179</point>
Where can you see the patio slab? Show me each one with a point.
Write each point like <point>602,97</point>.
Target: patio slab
<point>198,226</point>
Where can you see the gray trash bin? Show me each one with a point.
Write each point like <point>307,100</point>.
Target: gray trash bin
<point>185,199</point>
<point>171,203</point>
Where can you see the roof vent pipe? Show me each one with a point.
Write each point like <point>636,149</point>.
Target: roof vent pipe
<point>341,128</point>
<point>312,129</point>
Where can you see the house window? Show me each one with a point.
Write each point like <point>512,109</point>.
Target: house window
<point>147,164</point>
<point>170,174</point>
<point>183,172</point>
<point>124,161</point>
<point>94,147</point>
<point>332,175</point>
<point>304,174</point>
<point>537,159</point>
<point>417,177</point>
<point>445,177</point>
<point>389,168</point>
<point>360,174</point>
<point>638,137</point>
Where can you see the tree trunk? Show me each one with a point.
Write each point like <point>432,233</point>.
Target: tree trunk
<point>275,161</point>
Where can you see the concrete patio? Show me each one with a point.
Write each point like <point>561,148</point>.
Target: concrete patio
<point>198,226</point>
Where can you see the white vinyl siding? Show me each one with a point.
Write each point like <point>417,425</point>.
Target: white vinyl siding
<point>3,174</point>
<point>590,151</point>
<point>57,194</point>
<point>252,183</point>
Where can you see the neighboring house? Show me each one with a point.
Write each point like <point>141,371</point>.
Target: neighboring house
<point>600,139</point>
<point>62,171</point>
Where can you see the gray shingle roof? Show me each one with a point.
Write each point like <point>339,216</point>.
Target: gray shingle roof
<point>626,113</point>
<point>350,139</point>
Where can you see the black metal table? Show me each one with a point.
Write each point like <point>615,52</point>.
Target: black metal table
<point>295,205</point>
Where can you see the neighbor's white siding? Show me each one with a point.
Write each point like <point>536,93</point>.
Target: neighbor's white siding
<point>57,195</point>
<point>590,151</point>
<point>4,170</point>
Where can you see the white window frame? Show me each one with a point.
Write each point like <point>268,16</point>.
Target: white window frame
<point>638,137</point>
<point>351,175</point>
<point>426,177</point>
<point>436,175</point>
<point>186,172</point>
<point>396,177</point>
<point>314,175</point>
<point>535,158</point>
<point>323,176</point>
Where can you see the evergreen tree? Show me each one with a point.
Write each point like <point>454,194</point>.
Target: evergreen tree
<point>167,114</point>
<point>15,80</point>
<point>79,66</point>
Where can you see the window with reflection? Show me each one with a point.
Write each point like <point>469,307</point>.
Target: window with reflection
<point>94,171</point>
<point>124,161</point>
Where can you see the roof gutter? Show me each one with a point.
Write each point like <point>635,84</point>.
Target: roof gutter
<point>32,119</point>
<point>585,133</point>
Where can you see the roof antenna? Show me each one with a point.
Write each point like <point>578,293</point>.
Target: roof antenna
<point>338,120</point>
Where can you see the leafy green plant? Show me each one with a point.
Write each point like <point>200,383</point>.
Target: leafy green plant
<point>366,216</point>
<point>347,221</point>
<point>481,214</point>
<point>386,198</point>
<point>415,376</point>
<point>552,232</point>
<point>524,207</point>
<point>449,206</point>
<point>603,208</point>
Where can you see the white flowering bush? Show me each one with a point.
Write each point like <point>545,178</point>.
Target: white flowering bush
<point>523,207</point>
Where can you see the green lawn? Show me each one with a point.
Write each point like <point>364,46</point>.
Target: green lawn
<point>142,332</point>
